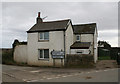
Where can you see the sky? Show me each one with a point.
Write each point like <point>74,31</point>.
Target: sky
<point>18,17</point>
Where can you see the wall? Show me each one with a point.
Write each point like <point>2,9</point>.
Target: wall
<point>93,39</point>
<point>95,46</point>
<point>56,42</point>
<point>20,53</point>
<point>68,38</point>
<point>79,60</point>
<point>88,38</point>
<point>74,38</point>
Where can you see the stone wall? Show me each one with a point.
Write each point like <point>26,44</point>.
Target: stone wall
<point>79,60</point>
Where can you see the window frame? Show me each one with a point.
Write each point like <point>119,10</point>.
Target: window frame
<point>43,36</point>
<point>46,34</point>
<point>76,37</point>
<point>43,57</point>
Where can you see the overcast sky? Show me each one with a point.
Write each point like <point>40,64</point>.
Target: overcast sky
<point>19,17</point>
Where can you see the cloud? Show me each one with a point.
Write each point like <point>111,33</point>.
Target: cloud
<point>19,17</point>
<point>111,36</point>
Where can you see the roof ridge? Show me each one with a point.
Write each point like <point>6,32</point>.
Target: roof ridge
<point>84,24</point>
<point>57,21</point>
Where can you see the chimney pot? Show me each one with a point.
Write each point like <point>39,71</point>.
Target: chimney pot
<point>39,14</point>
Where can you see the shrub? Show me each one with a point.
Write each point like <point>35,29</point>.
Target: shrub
<point>7,57</point>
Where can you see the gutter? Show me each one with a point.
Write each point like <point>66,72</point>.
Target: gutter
<point>93,44</point>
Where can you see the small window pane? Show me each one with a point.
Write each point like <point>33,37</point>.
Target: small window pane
<point>41,53</point>
<point>78,38</point>
<point>46,35</point>
<point>46,53</point>
<point>41,35</point>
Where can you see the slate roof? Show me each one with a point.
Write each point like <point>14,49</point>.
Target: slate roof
<point>80,45</point>
<point>84,28</point>
<point>50,26</point>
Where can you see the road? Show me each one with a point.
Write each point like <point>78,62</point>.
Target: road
<point>38,74</point>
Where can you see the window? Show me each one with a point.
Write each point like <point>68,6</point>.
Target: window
<point>44,36</point>
<point>43,53</point>
<point>78,37</point>
<point>79,52</point>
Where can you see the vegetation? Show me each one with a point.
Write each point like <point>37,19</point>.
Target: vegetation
<point>7,57</point>
<point>105,44</point>
<point>104,58</point>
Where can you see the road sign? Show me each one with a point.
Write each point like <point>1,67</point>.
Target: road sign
<point>58,54</point>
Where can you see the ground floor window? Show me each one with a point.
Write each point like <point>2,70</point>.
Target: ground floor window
<point>43,53</point>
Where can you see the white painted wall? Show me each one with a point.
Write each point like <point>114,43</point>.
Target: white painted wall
<point>56,42</point>
<point>95,46</point>
<point>20,53</point>
<point>68,38</point>
<point>84,51</point>
<point>93,39</point>
<point>88,38</point>
<point>74,38</point>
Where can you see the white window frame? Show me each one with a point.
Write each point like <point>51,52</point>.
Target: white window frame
<point>76,37</point>
<point>42,53</point>
<point>43,36</point>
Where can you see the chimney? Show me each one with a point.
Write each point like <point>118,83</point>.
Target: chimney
<point>39,14</point>
<point>39,20</point>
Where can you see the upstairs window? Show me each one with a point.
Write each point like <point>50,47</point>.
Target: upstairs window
<point>44,36</point>
<point>77,37</point>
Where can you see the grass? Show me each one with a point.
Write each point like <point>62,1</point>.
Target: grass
<point>104,58</point>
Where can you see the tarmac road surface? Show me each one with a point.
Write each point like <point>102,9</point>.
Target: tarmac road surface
<point>36,74</point>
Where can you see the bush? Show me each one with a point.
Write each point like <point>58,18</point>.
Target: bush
<point>104,58</point>
<point>7,57</point>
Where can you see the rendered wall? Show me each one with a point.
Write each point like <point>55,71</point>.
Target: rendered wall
<point>95,46</point>
<point>68,39</point>
<point>56,42</point>
<point>88,38</point>
<point>20,53</point>
<point>93,39</point>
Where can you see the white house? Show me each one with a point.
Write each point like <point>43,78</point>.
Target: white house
<point>49,42</point>
<point>85,39</point>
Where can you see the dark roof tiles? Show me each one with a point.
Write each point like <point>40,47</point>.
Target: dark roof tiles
<point>52,25</point>
<point>84,28</point>
<point>80,45</point>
